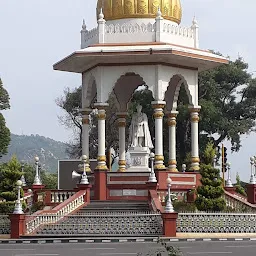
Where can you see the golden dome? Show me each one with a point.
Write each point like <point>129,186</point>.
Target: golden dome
<point>123,9</point>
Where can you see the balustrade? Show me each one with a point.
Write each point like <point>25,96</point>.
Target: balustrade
<point>49,217</point>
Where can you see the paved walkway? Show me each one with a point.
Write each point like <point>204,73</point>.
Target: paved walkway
<point>216,235</point>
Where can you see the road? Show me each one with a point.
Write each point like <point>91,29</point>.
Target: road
<point>222,248</point>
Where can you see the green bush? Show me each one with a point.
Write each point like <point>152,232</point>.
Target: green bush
<point>37,207</point>
<point>181,206</point>
<point>7,207</point>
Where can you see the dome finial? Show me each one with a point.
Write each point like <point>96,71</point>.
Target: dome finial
<point>194,22</point>
<point>101,15</point>
<point>159,13</point>
<point>84,26</point>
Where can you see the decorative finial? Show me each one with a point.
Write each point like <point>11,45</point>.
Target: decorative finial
<point>84,26</point>
<point>159,13</point>
<point>101,15</point>
<point>194,22</point>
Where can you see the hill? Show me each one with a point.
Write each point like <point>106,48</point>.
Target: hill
<point>27,147</point>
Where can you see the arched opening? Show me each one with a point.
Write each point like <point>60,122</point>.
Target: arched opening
<point>178,98</point>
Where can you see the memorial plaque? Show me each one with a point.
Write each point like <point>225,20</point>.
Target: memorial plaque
<point>129,192</point>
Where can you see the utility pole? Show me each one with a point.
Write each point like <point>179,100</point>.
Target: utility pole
<point>224,162</point>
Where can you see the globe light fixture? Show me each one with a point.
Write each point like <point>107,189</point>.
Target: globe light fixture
<point>18,206</point>
<point>169,206</point>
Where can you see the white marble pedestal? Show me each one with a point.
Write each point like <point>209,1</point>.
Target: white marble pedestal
<point>139,157</point>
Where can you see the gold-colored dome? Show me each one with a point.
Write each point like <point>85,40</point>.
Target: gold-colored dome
<point>123,9</point>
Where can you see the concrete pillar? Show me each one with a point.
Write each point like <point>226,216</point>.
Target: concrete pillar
<point>100,185</point>
<point>85,135</point>
<point>158,115</point>
<point>101,136</point>
<point>251,193</point>
<point>169,224</point>
<point>17,225</point>
<point>194,116</point>
<point>121,128</point>
<point>172,163</point>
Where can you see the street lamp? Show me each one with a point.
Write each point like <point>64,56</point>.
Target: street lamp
<point>255,166</point>
<point>84,179</point>
<point>23,180</point>
<point>18,206</point>
<point>252,179</point>
<point>169,206</point>
<point>152,176</point>
<point>229,182</point>
<point>37,180</point>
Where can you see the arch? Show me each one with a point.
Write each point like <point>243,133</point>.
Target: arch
<point>107,78</point>
<point>124,88</point>
<point>89,90</point>
<point>173,90</point>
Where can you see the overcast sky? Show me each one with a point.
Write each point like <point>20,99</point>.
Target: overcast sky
<point>34,34</point>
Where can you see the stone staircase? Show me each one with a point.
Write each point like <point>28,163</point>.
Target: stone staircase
<point>107,218</point>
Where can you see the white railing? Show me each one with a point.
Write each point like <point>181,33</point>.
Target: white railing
<point>56,214</point>
<point>216,223</point>
<point>238,203</point>
<point>178,30</point>
<point>158,31</point>
<point>4,224</point>
<point>61,196</point>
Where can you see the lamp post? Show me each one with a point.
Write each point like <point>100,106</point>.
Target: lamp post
<point>229,182</point>
<point>252,179</point>
<point>23,180</point>
<point>255,166</point>
<point>169,206</point>
<point>152,176</point>
<point>18,206</point>
<point>184,167</point>
<point>37,180</point>
<point>84,179</point>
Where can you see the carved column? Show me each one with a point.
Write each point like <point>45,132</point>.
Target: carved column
<point>158,115</point>
<point>172,163</point>
<point>121,128</point>
<point>194,117</point>
<point>85,135</point>
<point>101,136</point>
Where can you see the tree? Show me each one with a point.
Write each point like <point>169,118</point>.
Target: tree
<point>50,180</point>
<point>227,95</point>
<point>4,131</point>
<point>210,192</point>
<point>239,188</point>
<point>9,174</point>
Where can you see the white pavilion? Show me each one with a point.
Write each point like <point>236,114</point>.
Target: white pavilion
<point>140,42</point>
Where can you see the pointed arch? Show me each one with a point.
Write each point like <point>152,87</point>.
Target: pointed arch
<point>173,90</point>
<point>89,90</point>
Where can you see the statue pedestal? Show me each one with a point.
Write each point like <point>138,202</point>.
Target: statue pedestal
<point>139,159</point>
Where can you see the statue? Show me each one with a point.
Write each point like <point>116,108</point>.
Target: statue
<point>139,135</point>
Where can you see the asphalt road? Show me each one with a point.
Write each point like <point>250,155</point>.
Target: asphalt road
<point>236,248</point>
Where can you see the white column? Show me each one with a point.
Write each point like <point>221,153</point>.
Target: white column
<point>194,116</point>
<point>85,136</point>
<point>121,128</point>
<point>101,136</point>
<point>101,27</point>
<point>158,115</point>
<point>172,163</point>
<point>195,29</point>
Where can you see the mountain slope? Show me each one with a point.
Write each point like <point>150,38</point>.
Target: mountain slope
<point>27,147</point>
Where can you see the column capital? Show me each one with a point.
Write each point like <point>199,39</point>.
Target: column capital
<point>122,114</point>
<point>158,104</point>
<point>172,114</point>
<point>194,109</point>
<point>85,111</point>
<point>101,105</point>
